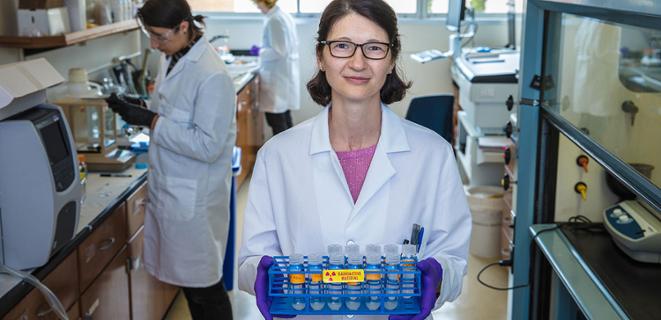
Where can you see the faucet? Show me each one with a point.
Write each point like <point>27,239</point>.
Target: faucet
<point>219,36</point>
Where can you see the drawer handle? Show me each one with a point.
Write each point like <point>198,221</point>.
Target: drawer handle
<point>107,244</point>
<point>140,203</point>
<point>44,311</point>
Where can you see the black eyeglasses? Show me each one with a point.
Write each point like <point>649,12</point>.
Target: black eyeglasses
<point>345,49</point>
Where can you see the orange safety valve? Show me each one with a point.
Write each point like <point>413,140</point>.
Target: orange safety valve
<point>582,189</point>
<point>583,161</point>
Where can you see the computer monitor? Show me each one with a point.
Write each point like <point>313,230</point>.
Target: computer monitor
<point>455,14</point>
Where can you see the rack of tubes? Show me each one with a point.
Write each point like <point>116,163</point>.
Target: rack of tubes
<point>387,290</point>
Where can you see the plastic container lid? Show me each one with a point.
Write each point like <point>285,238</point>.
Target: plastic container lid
<point>295,258</point>
<point>335,254</point>
<point>353,254</point>
<point>392,253</point>
<point>315,258</point>
<point>409,250</point>
<point>373,254</point>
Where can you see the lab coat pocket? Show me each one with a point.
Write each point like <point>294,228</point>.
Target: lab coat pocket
<point>180,116</point>
<point>178,198</point>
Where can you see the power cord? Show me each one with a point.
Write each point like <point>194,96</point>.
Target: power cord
<point>51,298</point>
<point>577,221</point>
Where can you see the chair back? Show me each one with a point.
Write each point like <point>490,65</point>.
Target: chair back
<point>433,112</point>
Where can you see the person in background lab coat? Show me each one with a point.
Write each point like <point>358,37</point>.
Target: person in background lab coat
<point>193,129</point>
<point>357,172</point>
<point>279,92</point>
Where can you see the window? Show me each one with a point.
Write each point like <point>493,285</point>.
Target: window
<point>317,6</point>
<point>490,6</point>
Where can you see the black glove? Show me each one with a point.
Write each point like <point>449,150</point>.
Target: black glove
<point>131,113</point>
<point>133,99</point>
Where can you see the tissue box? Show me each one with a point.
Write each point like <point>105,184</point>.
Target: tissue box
<point>48,22</point>
<point>40,4</point>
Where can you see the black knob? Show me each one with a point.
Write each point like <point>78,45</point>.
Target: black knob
<point>508,129</point>
<point>509,103</point>
<point>505,182</point>
<point>507,154</point>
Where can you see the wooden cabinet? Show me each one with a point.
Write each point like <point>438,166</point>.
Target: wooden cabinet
<point>65,287</point>
<point>101,246</point>
<point>150,298</point>
<point>249,128</point>
<point>135,209</point>
<point>108,296</point>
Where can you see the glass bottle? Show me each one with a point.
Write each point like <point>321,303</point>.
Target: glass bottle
<point>392,276</point>
<point>297,281</point>
<point>354,261</point>
<point>315,283</point>
<point>373,276</point>
<point>335,262</point>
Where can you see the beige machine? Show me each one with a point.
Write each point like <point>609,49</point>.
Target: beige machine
<point>96,133</point>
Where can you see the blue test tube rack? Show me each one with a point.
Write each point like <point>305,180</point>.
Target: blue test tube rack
<point>281,299</point>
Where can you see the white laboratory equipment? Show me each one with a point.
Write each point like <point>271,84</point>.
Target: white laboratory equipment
<point>40,187</point>
<point>635,230</point>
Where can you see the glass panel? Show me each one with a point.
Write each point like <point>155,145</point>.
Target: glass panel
<point>110,127</point>
<point>314,6</point>
<point>86,130</point>
<point>481,6</point>
<point>606,81</point>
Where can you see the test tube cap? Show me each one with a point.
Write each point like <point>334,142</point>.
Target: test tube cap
<point>296,258</point>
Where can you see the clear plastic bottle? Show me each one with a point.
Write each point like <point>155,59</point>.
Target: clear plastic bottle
<point>297,281</point>
<point>82,169</point>
<point>392,275</point>
<point>408,265</point>
<point>335,262</point>
<point>315,283</point>
<point>373,283</point>
<point>354,261</point>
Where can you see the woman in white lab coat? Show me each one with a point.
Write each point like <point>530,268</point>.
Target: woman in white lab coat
<point>279,91</point>
<point>193,129</point>
<point>357,172</point>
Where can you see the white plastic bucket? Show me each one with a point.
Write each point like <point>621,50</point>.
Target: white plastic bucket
<point>486,204</point>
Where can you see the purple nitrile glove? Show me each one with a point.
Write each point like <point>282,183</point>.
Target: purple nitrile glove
<point>431,276</point>
<point>262,289</point>
<point>254,50</point>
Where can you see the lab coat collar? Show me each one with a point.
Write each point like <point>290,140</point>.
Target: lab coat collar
<point>392,139</point>
<point>193,55</point>
<point>272,11</point>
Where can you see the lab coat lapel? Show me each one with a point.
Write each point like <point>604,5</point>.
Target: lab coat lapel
<point>320,142</point>
<point>392,139</point>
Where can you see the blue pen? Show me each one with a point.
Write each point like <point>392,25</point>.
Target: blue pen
<point>422,231</point>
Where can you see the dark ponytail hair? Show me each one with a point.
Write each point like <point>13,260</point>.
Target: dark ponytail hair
<point>169,14</point>
<point>377,11</point>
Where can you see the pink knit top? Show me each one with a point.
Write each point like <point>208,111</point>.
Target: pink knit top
<point>355,164</point>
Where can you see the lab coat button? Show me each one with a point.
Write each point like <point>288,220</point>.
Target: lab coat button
<point>350,242</point>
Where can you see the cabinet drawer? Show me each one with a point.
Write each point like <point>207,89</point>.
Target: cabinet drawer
<point>135,209</point>
<point>144,285</point>
<point>108,296</point>
<point>74,312</point>
<point>61,282</point>
<point>101,246</point>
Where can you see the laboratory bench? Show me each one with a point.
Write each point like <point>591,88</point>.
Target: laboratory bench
<point>98,273</point>
<point>592,275</point>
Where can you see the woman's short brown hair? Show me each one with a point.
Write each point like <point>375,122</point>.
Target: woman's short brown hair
<point>269,3</point>
<point>384,16</point>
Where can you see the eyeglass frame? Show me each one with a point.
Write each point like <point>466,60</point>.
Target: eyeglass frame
<point>356,45</point>
<point>161,38</point>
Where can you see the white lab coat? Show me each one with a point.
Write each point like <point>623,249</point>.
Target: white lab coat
<point>299,201</point>
<point>190,158</point>
<point>280,89</point>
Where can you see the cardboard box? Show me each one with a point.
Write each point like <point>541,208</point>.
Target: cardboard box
<point>43,22</point>
<point>40,4</point>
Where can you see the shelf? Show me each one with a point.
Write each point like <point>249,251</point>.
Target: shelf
<point>68,38</point>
